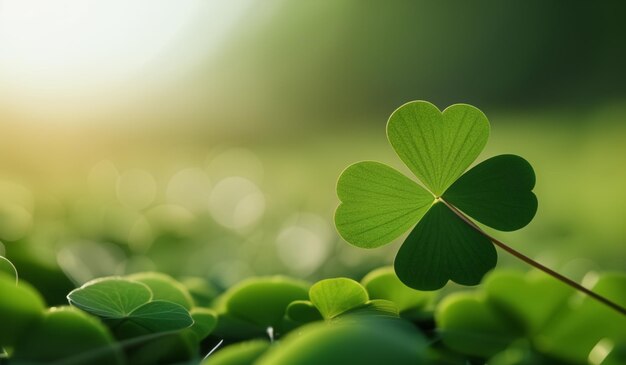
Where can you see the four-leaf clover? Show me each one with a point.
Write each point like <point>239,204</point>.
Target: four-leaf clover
<point>378,203</point>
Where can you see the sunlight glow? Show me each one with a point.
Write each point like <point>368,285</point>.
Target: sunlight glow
<point>53,52</point>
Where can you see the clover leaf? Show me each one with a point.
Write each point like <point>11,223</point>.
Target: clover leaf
<point>374,341</point>
<point>69,336</point>
<point>335,296</point>
<point>257,305</point>
<point>558,323</point>
<point>331,298</point>
<point>379,204</point>
<point>21,308</point>
<point>129,305</point>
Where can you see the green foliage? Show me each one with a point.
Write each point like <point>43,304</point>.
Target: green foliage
<point>200,290</point>
<point>21,308</point>
<point>584,322</point>
<point>383,283</point>
<point>160,316</point>
<point>332,298</point>
<point>110,298</point>
<point>128,306</point>
<point>378,203</point>
<point>243,353</point>
<point>373,341</point>
<point>69,335</point>
<point>468,326</point>
<point>303,311</point>
<point>164,287</point>
<point>514,319</point>
<point>512,307</point>
<point>254,305</point>
<point>204,322</point>
<point>151,318</point>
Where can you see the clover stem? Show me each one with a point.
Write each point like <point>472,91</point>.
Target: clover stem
<point>534,263</point>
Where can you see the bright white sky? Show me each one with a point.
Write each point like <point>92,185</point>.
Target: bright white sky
<point>52,52</point>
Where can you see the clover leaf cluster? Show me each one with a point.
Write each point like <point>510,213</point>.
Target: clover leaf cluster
<point>379,203</point>
<point>278,320</point>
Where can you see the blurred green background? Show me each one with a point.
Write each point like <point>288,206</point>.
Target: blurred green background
<point>205,137</point>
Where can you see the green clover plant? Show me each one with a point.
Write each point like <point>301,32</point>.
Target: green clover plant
<point>378,203</point>
<point>557,322</point>
<point>338,297</point>
<point>129,306</point>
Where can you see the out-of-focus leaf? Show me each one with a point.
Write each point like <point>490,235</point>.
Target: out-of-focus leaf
<point>69,335</point>
<point>383,283</point>
<point>263,301</point>
<point>303,311</point>
<point>467,325</point>
<point>376,341</point>
<point>21,308</point>
<point>164,287</point>
<point>373,308</point>
<point>526,301</point>
<point>237,329</point>
<point>201,290</point>
<point>333,297</point>
<point>243,353</point>
<point>585,322</point>
<point>204,322</point>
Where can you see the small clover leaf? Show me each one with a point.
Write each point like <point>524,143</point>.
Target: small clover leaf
<point>129,306</point>
<point>332,298</point>
<point>378,203</point>
<point>110,298</point>
<point>255,305</point>
<point>374,341</point>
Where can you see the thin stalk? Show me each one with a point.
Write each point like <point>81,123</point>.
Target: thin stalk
<point>534,263</point>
